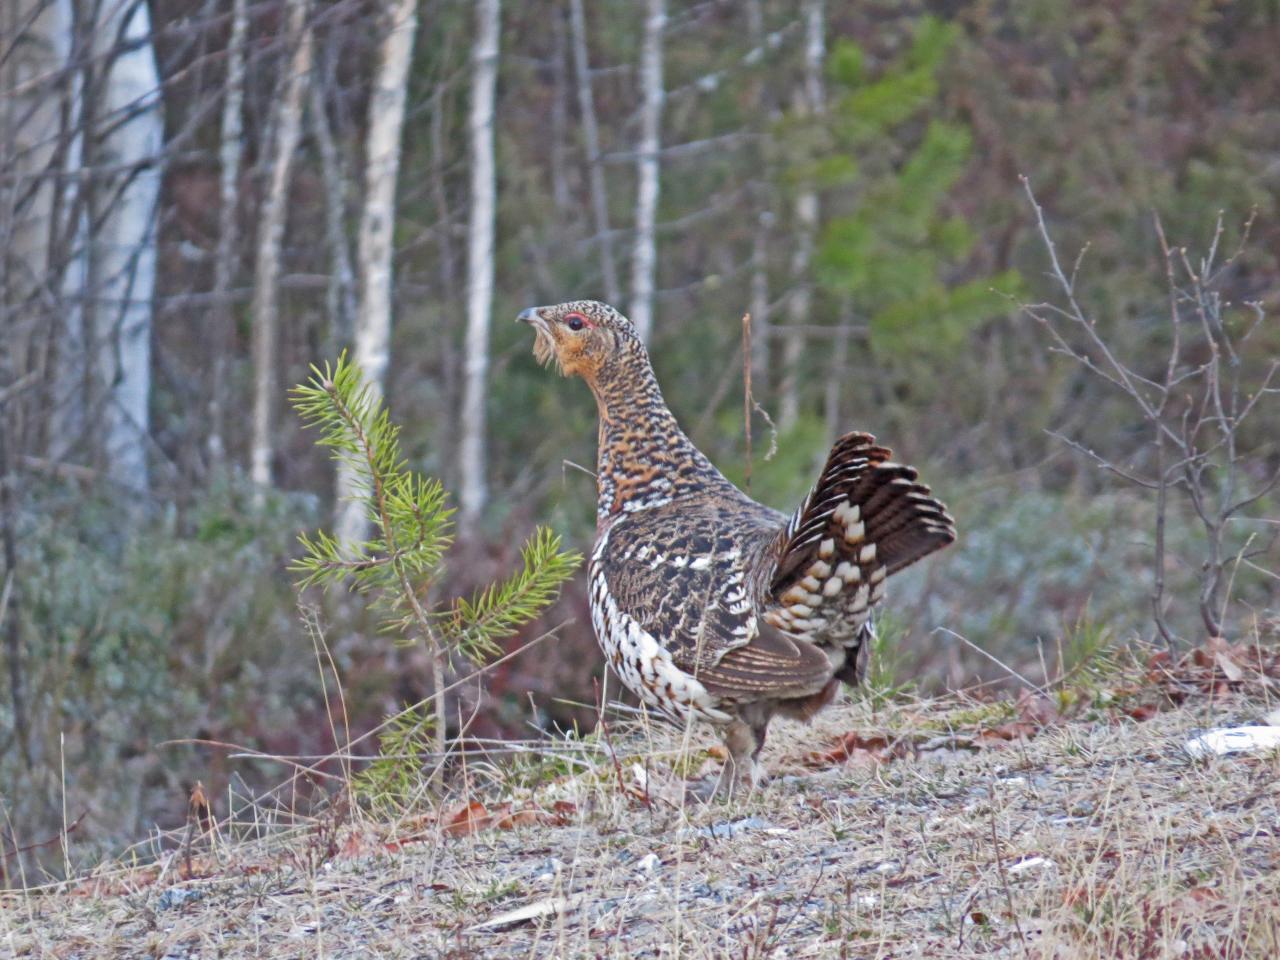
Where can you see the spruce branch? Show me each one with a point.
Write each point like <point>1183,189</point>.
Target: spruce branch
<point>497,611</point>
<point>413,526</point>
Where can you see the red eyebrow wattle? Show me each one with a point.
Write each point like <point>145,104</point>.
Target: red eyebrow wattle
<point>581,316</point>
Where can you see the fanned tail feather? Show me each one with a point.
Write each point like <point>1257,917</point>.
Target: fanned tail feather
<point>865,518</point>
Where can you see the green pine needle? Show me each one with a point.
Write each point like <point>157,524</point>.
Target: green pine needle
<point>412,530</point>
<point>496,612</point>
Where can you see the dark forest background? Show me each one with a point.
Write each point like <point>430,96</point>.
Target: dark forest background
<point>848,173</point>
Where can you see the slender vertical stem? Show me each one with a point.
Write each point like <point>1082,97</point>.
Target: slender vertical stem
<point>746,393</point>
<point>760,300</point>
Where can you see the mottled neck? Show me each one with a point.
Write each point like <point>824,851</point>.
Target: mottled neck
<point>644,458</point>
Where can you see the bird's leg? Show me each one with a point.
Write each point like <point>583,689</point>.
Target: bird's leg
<point>737,776</point>
<point>740,741</point>
<point>741,771</point>
<point>758,730</point>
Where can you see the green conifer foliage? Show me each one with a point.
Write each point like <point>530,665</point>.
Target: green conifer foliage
<point>894,251</point>
<point>412,524</point>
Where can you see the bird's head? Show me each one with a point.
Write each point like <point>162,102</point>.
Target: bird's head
<point>584,338</point>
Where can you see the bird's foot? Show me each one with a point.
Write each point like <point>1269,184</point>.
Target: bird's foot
<point>731,785</point>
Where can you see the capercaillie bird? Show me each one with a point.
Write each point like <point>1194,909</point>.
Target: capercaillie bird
<point>708,605</point>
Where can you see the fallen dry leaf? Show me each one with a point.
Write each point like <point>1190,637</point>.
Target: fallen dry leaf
<point>467,819</point>
<point>855,748</point>
<point>475,816</point>
<point>517,818</point>
<point>1013,730</point>
<point>1230,669</point>
<point>1203,895</point>
<point>1037,709</point>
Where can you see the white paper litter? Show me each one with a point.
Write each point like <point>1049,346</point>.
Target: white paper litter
<point>1234,740</point>
<point>1030,864</point>
<point>723,830</point>
<point>529,913</point>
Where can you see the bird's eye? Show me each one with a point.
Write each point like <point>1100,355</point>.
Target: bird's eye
<point>575,321</point>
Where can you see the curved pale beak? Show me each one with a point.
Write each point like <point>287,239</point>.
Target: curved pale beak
<point>532,316</point>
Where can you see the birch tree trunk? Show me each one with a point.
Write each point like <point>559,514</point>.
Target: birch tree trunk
<point>124,243</point>
<point>810,103</point>
<point>229,155</point>
<point>377,225</point>
<point>591,135</point>
<point>340,291</point>
<point>474,487</point>
<point>643,259</point>
<point>288,130</point>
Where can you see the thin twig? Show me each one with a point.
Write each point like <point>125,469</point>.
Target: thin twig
<point>8,854</point>
<point>990,656</point>
<point>1004,879</point>
<point>746,392</point>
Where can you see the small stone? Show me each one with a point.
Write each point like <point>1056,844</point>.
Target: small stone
<point>548,870</point>
<point>723,830</point>
<point>176,897</point>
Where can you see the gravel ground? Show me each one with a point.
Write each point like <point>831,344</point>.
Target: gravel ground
<point>940,829</point>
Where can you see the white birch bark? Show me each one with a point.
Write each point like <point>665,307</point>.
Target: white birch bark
<point>644,254</point>
<point>591,136</point>
<point>377,224</point>
<point>811,103</point>
<point>230,151</point>
<point>340,292</point>
<point>123,253</point>
<point>473,491</point>
<point>263,309</point>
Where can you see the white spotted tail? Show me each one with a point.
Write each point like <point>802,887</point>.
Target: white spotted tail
<point>865,518</point>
